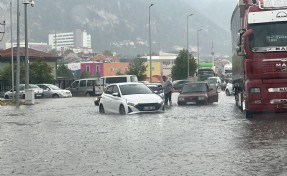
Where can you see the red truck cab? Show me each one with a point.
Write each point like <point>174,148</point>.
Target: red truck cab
<point>259,40</point>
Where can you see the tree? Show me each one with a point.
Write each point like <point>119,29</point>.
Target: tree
<point>179,70</point>
<point>64,71</point>
<point>85,74</point>
<point>137,67</point>
<point>6,74</point>
<point>40,72</point>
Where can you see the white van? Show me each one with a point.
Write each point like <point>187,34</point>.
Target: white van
<point>87,87</point>
<point>119,79</point>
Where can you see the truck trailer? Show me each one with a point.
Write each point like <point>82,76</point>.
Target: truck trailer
<point>259,45</point>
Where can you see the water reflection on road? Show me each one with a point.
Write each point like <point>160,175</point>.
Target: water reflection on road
<point>70,137</point>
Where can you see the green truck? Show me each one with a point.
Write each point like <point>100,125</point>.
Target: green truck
<point>204,71</point>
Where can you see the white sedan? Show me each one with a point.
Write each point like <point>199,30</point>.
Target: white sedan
<point>130,98</point>
<point>39,92</point>
<point>52,91</point>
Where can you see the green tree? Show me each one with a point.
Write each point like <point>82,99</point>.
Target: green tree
<point>64,71</point>
<point>85,75</point>
<point>54,52</point>
<point>137,67</point>
<point>179,70</point>
<point>6,74</point>
<point>40,72</point>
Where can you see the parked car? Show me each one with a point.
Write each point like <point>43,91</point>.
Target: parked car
<point>38,92</point>
<point>178,84</point>
<point>156,88</point>
<point>119,79</point>
<point>87,87</point>
<point>129,98</point>
<point>52,91</point>
<point>197,93</point>
<point>214,82</point>
<point>229,88</point>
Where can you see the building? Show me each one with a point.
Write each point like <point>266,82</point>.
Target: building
<point>111,69</point>
<point>95,69</point>
<point>167,62</point>
<point>157,71</point>
<point>5,58</point>
<point>77,41</point>
<point>44,47</point>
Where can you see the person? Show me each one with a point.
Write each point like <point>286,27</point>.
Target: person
<point>167,90</point>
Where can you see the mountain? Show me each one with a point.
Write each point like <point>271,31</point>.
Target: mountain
<point>123,26</point>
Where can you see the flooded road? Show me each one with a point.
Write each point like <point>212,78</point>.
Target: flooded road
<point>70,137</point>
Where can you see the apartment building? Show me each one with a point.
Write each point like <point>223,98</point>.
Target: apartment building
<point>79,41</point>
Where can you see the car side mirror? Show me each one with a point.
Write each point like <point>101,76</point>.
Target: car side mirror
<point>156,92</point>
<point>210,89</point>
<point>116,94</point>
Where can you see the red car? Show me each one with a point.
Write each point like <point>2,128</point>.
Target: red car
<point>197,93</point>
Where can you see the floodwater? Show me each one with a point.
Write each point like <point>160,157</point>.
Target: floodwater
<point>69,137</point>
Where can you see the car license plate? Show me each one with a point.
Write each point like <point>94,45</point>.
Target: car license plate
<point>148,108</point>
<point>191,103</point>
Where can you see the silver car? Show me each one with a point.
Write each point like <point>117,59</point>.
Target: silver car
<point>52,91</point>
<point>38,92</point>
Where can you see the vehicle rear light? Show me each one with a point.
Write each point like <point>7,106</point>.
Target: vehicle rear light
<point>255,90</point>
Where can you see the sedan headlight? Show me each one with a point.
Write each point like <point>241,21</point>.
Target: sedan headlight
<point>181,99</point>
<point>131,104</point>
<point>201,98</point>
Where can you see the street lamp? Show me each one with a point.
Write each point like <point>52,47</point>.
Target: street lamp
<point>12,54</point>
<point>18,57</point>
<point>150,77</point>
<point>198,30</point>
<point>26,2</point>
<point>187,46</point>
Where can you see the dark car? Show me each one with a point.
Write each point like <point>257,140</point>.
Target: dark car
<point>178,84</point>
<point>197,93</point>
<point>156,88</point>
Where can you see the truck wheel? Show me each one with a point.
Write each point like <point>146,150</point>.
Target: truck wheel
<point>88,94</point>
<point>248,114</point>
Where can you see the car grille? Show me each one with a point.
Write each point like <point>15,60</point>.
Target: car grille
<point>191,98</point>
<point>141,107</point>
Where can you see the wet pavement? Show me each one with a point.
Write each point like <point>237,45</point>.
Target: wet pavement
<point>70,137</point>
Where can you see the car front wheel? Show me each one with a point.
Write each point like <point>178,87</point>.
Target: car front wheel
<point>101,109</point>
<point>122,110</point>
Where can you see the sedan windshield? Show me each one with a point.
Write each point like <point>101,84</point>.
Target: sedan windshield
<point>53,87</point>
<point>189,88</point>
<point>130,89</point>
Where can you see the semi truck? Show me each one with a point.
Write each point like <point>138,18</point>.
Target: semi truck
<point>204,71</point>
<point>259,45</point>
